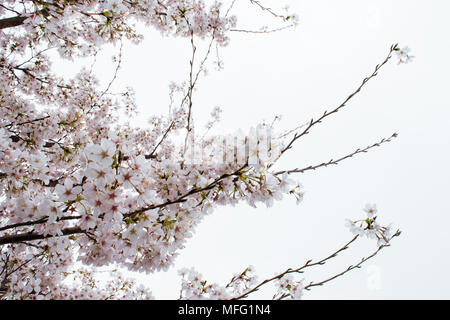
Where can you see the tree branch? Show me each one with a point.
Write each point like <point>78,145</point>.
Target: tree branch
<point>68,231</point>
<point>358,265</point>
<point>309,263</point>
<point>32,223</point>
<point>335,162</point>
<point>36,236</point>
<point>335,110</point>
<point>12,22</point>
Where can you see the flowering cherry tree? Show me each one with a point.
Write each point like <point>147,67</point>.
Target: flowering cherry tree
<point>81,188</point>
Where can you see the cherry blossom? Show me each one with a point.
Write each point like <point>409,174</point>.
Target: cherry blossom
<point>404,55</point>
<point>67,191</point>
<point>288,286</point>
<point>371,210</point>
<point>81,188</point>
<point>370,227</point>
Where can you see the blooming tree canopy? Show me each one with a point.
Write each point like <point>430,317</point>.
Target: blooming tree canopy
<point>80,187</point>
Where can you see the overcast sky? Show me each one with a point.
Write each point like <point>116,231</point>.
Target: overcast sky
<point>299,74</point>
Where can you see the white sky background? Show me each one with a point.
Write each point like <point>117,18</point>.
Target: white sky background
<point>300,73</point>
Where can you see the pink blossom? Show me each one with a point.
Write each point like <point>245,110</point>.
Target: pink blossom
<point>67,192</point>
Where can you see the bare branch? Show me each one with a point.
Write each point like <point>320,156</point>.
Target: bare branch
<point>262,31</point>
<point>335,162</point>
<point>309,263</point>
<point>267,9</point>
<point>116,72</point>
<point>350,268</point>
<point>190,89</point>
<point>335,110</point>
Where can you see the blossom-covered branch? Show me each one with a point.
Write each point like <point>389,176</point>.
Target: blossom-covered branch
<point>80,183</point>
<point>244,284</point>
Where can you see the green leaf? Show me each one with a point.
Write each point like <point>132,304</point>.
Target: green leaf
<point>129,221</point>
<point>169,224</point>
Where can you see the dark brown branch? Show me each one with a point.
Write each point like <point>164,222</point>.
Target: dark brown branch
<point>26,122</point>
<point>10,9</point>
<point>12,22</point>
<point>36,236</point>
<point>31,223</point>
<point>19,20</point>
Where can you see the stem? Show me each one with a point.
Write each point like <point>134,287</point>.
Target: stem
<point>12,22</point>
<point>308,264</point>
<point>335,110</point>
<point>35,236</point>
<point>335,162</point>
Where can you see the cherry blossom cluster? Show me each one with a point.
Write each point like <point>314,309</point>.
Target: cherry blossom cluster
<point>194,287</point>
<point>370,227</point>
<point>404,55</point>
<point>117,204</point>
<point>80,27</point>
<point>45,282</point>
<point>242,281</point>
<point>287,286</point>
<point>81,187</point>
<point>78,185</point>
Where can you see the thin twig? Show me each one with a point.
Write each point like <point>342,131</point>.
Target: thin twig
<point>352,267</point>
<point>190,90</point>
<point>267,9</point>
<point>337,161</point>
<point>25,122</point>
<point>116,72</point>
<point>308,264</point>
<point>35,222</point>
<point>335,110</point>
<point>162,139</point>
